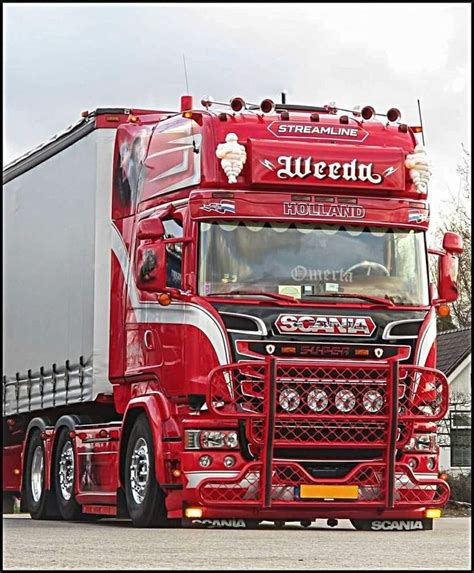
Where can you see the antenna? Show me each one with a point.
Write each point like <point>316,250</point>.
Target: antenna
<point>421,122</point>
<point>195,147</point>
<point>185,74</point>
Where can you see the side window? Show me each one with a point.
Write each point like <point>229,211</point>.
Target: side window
<point>173,229</point>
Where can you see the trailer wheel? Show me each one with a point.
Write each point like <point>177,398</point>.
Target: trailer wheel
<point>35,469</point>
<point>145,499</point>
<point>64,477</point>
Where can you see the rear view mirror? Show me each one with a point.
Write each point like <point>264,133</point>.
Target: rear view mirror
<point>150,267</point>
<point>447,277</point>
<point>452,243</point>
<point>150,229</point>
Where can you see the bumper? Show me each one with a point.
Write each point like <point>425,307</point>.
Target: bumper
<point>271,488</point>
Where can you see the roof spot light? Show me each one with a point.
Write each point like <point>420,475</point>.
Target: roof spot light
<point>393,114</point>
<point>237,104</point>
<point>267,106</point>
<point>368,112</point>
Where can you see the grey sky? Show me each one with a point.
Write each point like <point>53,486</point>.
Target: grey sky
<point>61,59</point>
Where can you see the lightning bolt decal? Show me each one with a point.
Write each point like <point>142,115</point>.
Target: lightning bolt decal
<point>267,164</point>
<point>389,171</point>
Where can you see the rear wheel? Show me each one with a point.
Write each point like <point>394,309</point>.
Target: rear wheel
<point>145,499</point>
<point>35,477</point>
<point>64,477</point>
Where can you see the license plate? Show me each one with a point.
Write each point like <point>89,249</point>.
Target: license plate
<point>329,491</point>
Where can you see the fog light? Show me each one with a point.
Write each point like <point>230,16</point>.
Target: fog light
<point>373,401</point>
<point>413,463</point>
<point>229,461</point>
<point>289,399</point>
<point>431,463</point>
<point>317,400</point>
<point>345,400</point>
<point>205,461</point>
<point>231,440</point>
<point>193,512</point>
<point>432,513</point>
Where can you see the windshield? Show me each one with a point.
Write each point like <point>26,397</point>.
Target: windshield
<point>307,260</point>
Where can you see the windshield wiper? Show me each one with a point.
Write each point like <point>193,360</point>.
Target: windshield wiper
<point>376,299</point>
<point>275,295</point>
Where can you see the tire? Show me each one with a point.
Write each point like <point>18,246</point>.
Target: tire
<point>362,524</point>
<point>65,479</point>
<point>35,471</point>
<point>8,503</point>
<point>145,500</point>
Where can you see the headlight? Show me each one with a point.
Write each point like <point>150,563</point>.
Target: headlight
<point>317,400</point>
<point>289,399</point>
<point>373,401</point>
<point>345,400</point>
<point>423,442</point>
<point>210,439</point>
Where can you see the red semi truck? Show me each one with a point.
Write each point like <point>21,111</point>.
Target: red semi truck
<point>224,316</point>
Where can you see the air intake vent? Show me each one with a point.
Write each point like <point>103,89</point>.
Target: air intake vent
<point>402,329</point>
<point>243,323</point>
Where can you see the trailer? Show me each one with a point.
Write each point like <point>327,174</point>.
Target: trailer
<point>223,316</point>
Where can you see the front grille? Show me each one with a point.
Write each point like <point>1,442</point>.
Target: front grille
<point>368,434</point>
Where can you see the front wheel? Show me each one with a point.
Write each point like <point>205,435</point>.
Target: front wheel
<point>145,499</point>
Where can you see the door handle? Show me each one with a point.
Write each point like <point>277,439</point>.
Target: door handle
<point>148,340</point>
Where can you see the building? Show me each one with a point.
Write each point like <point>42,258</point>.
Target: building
<point>454,437</point>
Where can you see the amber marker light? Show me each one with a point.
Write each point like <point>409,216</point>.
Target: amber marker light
<point>133,118</point>
<point>432,513</point>
<point>444,476</point>
<point>288,349</point>
<point>193,512</point>
<point>176,473</point>
<point>443,310</point>
<point>361,352</point>
<point>17,471</point>
<point>164,299</point>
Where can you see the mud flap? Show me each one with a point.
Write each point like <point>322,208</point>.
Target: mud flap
<point>393,524</point>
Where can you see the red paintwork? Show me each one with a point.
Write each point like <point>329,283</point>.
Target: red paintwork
<point>178,358</point>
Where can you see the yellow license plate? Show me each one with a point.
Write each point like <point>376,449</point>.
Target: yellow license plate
<point>329,491</point>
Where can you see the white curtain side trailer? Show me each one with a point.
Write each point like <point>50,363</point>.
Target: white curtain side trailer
<point>56,269</point>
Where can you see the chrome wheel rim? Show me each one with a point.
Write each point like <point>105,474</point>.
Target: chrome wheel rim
<point>37,473</point>
<point>139,470</point>
<point>66,471</point>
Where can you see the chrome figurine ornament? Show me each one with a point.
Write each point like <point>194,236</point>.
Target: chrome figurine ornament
<point>233,157</point>
<point>419,168</point>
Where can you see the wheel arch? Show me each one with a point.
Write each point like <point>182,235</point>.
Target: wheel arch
<point>157,411</point>
<point>69,421</point>
<point>40,424</point>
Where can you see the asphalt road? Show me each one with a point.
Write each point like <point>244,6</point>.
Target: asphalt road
<point>110,544</point>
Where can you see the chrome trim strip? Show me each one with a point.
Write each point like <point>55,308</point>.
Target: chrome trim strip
<point>262,329</point>
<point>386,333</point>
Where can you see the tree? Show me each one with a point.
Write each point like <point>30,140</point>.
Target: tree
<point>458,220</point>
